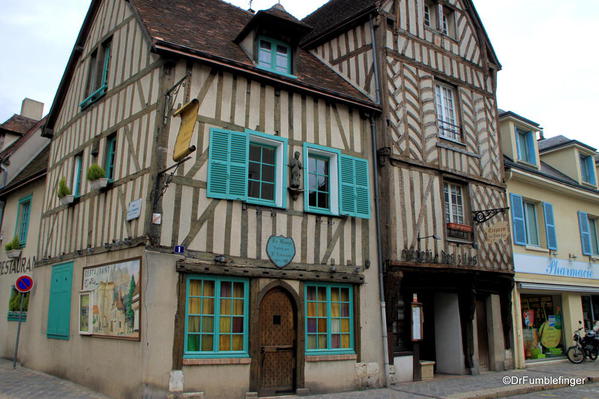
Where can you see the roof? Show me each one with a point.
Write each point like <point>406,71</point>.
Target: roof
<point>35,169</point>
<point>14,146</point>
<point>560,141</point>
<point>278,19</point>
<point>18,124</point>
<point>503,113</point>
<point>336,13</point>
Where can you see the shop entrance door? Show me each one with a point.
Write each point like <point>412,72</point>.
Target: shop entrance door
<point>278,331</point>
<point>482,333</point>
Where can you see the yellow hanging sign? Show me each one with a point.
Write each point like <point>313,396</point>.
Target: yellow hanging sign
<point>188,114</point>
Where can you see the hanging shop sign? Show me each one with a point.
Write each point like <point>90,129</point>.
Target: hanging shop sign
<point>446,258</point>
<point>188,114</point>
<point>280,250</point>
<point>497,232</point>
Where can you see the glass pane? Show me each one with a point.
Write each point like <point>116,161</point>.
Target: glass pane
<point>311,325</point>
<point>312,183</point>
<point>311,309</point>
<point>282,49</point>
<point>225,289</point>
<point>254,171</point>
<point>254,189</point>
<point>207,324</point>
<point>311,341</point>
<point>268,173</point>
<point>335,341</point>
<point>194,306</point>
<point>207,342</point>
<point>238,307</point>
<point>323,184</point>
<point>345,294</point>
<point>322,341</point>
<point>208,288</point>
<point>225,325</point>
<point>322,167</point>
<point>322,293</point>
<point>255,152</point>
<point>208,306</point>
<point>345,310</point>
<point>312,198</point>
<point>265,45</point>
<point>335,325</point>
<point>238,291</point>
<point>311,293</point>
<point>335,310</point>
<point>322,309</point>
<point>322,325</point>
<point>194,287</point>
<point>224,343</point>
<point>323,200</point>
<point>193,324</point>
<point>335,294</point>
<point>238,325</point>
<point>268,155</point>
<point>225,306</point>
<point>264,58</point>
<point>345,341</point>
<point>237,342</point>
<point>268,191</point>
<point>193,343</point>
<point>345,325</point>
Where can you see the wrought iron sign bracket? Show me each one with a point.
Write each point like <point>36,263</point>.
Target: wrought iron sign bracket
<point>171,95</point>
<point>486,214</point>
<point>169,178</point>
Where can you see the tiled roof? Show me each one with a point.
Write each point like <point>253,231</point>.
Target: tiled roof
<point>560,141</point>
<point>35,168</point>
<point>335,13</point>
<point>18,124</point>
<point>209,28</point>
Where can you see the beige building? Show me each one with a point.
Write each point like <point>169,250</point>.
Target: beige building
<point>554,200</point>
<point>23,162</point>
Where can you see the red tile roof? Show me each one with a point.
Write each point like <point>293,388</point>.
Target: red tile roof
<point>18,124</point>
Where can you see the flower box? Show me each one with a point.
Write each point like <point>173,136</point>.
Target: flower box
<point>13,253</point>
<point>459,227</point>
<point>67,199</point>
<point>99,184</point>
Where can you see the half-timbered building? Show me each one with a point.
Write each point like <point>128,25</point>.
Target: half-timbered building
<point>222,233</point>
<point>431,67</point>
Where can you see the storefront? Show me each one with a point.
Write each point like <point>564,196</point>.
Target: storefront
<point>551,297</point>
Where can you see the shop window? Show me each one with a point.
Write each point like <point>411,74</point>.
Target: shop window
<point>110,157</point>
<point>329,319</point>
<point>23,215</point>
<point>525,146</point>
<point>445,96</point>
<point>542,326</point>
<point>590,310</point>
<point>97,76</point>
<point>587,169</point>
<point>335,184</point>
<point>59,310</point>
<point>77,168</point>
<point>216,317</point>
<point>247,166</point>
<point>527,225</point>
<point>274,56</point>
<point>14,305</point>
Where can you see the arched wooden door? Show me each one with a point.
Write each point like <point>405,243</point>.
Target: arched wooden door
<point>278,331</point>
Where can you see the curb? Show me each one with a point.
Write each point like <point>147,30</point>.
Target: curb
<point>503,392</point>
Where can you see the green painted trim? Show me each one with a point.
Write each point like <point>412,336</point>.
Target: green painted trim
<point>78,166</point>
<point>262,201</point>
<point>109,162</point>
<point>20,231</point>
<point>273,56</point>
<point>59,310</point>
<point>306,152</point>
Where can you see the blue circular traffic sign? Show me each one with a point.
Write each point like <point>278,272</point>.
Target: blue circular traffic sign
<point>24,283</point>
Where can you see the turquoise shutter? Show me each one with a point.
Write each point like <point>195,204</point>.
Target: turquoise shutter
<point>354,187</point>
<point>550,226</point>
<point>585,233</point>
<point>228,165</point>
<point>105,68</point>
<point>110,150</point>
<point>530,147</point>
<point>59,310</point>
<point>591,168</point>
<point>518,219</point>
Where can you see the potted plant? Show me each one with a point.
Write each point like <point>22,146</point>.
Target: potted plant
<point>64,192</point>
<point>13,248</point>
<point>95,175</point>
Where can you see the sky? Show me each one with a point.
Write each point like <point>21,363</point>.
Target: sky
<point>547,48</point>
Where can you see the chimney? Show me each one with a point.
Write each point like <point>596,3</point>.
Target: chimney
<point>32,109</point>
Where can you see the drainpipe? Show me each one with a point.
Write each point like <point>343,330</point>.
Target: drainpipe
<point>379,246</point>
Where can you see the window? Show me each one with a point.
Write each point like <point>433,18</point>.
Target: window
<point>319,176</point>
<point>446,112</point>
<point>593,224</point>
<point>97,76</point>
<point>587,169</point>
<point>329,318</point>
<point>110,156</point>
<point>14,305</point>
<point>247,166</point>
<point>526,222</point>
<point>589,235</point>
<point>77,166</point>
<point>216,317</point>
<point>430,14</point>
<point>526,146</point>
<point>59,310</point>
<point>23,214</point>
<point>274,56</point>
<point>448,22</point>
<point>454,203</point>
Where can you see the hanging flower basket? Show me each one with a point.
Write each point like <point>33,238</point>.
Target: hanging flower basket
<point>99,184</point>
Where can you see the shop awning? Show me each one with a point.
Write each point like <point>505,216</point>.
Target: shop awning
<point>559,287</point>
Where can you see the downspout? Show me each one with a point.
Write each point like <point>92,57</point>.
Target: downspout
<point>379,246</point>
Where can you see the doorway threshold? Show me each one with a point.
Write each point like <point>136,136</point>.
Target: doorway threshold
<point>557,359</point>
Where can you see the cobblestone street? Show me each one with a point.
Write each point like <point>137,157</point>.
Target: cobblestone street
<point>24,383</point>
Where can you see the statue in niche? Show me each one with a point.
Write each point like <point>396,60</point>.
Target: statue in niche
<point>296,171</point>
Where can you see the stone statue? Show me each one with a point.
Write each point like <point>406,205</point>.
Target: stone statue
<point>296,171</point>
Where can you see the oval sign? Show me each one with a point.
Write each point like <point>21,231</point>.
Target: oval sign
<point>280,250</point>
<point>24,283</point>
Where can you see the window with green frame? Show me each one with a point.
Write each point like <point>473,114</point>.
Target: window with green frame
<point>329,318</point>
<point>247,166</point>
<point>216,317</point>
<point>23,215</point>
<point>274,55</point>
<point>77,166</point>
<point>110,156</point>
<point>97,76</point>
<point>14,305</point>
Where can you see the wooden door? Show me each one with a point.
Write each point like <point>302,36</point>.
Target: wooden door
<point>483,334</point>
<point>277,343</point>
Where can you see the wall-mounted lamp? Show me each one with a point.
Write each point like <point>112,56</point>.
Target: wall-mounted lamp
<point>220,259</point>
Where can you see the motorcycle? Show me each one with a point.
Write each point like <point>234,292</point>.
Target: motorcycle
<point>584,347</point>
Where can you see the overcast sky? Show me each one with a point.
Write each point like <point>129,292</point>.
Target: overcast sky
<point>547,48</point>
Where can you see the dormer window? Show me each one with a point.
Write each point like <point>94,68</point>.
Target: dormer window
<point>274,56</point>
<point>525,144</point>
<point>587,169</point>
